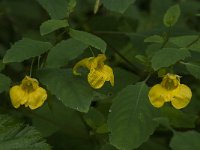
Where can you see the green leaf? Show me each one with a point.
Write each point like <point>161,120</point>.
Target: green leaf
<point>154,39</point>
<point>15,135</point>
<point>178,118</point>
<point>57,9</point>
<point>172,15</point>
<point>57,116</point>
<point>117,5</point>
<point>70,89</point>
<point>89,39</point>
<point>64,51</point>
<point>189,140</point>
<point>94,118</point>
<point>4,83</point>
<point>131,118</point>
<point>25,49</point>
<point>194,69</point>
<point>192,42</point>
<point>52,25</point>
<point>168,56</point>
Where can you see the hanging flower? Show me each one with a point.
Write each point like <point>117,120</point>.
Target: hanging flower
<point>28,93</point>
<point>98,71</point>
<point>170,90</point>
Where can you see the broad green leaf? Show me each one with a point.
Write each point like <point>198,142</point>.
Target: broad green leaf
<point>192,42</point>
<point>57,9</point>
<point>57,117</point>
<point>189,140</point>
<point>117,5</point>
<point>64,51</point>
<point>154,39</point>
<point>108,147</point>
<point>178,118</point>
<point>15,135</point>
<point>52,25</point>
<point>89,39</point>
<point>131,118</point>
<point>94,118</point>
<point>172,15</point>
<point>168,56</point>
<point>4,83</point>
<point>25,49</point>
<point>70,89</point>
<point>194,69</point>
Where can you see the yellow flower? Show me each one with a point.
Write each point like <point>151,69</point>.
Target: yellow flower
<point>98,71</point>
<point>170,90</point>
<point>28,93</point>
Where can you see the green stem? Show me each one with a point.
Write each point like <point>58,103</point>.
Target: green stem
<point>92,51</point>
<point>167,37</point>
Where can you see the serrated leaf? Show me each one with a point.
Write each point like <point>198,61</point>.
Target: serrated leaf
<point>131,118</point>
<point>185,141</point>
<point>89,39</point>
<point>25,49</point>
<point>57,9</point>
<point>15,135</point>
<point>52,25</point>
<point>154,39</point>
<point>63,52</point>
<point>168,56</point>
<point>171,16</point>
<point>117,5</point>
<point>72,91</point>
<point>194,69</point>
<point>4,83</point>
<point>192,42</point>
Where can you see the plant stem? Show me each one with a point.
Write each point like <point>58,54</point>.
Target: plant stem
<point>193,42</point>
<point>31,68</point>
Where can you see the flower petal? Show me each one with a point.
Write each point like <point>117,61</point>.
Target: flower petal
<point>98,61</point>
<point>36,98</point>
<point>157,95</point>
<point>82,63</point>
<point>18,96</point>
<point>182,97</point>
<point>97,77</point>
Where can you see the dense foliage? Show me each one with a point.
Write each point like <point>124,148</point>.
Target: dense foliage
<point>120,48</point>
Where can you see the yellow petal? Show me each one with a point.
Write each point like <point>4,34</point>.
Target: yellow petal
<point>97,77</point>
<point>36,98</point>
<point>18,96</point>
<point>82,63</point>
<point>98,61</point>
<point>29,83</point>
<point>158,95</point>
<point>182,97</point>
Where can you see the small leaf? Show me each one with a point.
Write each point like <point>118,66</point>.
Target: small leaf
<point>192,42</point>
<point>25,49</point>
<point>63,52</point>
<point>89,39</point>
<point>117,5</point>
<point>56,9</point>
<point>168,56</point>
<point>4,83</point>
<point>131,118</point>
<point>154,39</point>
<point>189,140</point>
<point>194,69</point>
<point>15,135</point>
<point>69,89</point>
<point>172,15</point>
<point>52,25</point>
